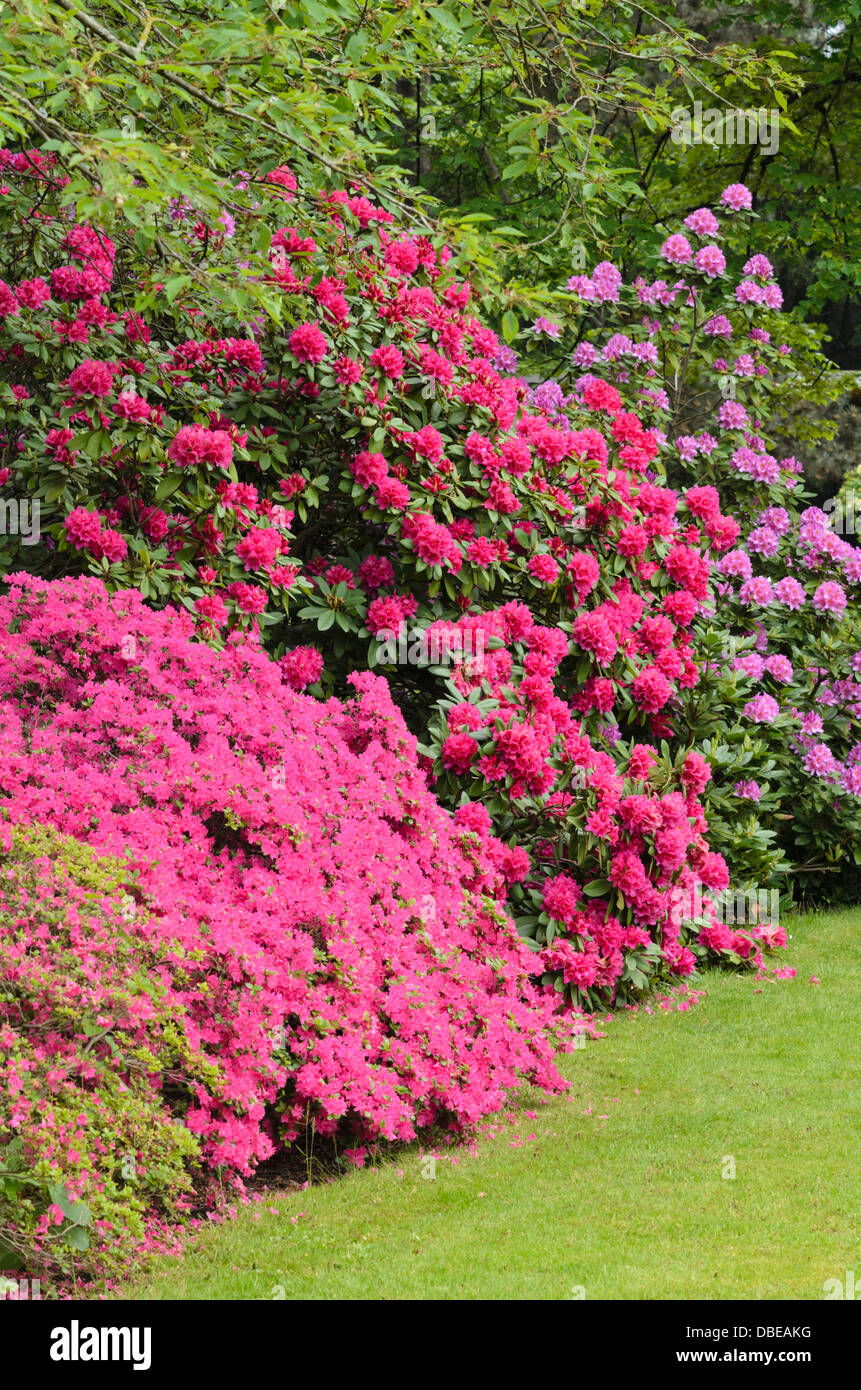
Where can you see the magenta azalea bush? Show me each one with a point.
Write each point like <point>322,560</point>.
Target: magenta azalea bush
<point>303,934</point>
<point>291,853</point>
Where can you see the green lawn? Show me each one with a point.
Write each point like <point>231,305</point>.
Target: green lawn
<point>634,1205</point>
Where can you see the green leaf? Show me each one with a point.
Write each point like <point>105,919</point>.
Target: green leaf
<point>174,285</point>
<point>512,171</point>
<point>168,485</point>
<point>596,888</point>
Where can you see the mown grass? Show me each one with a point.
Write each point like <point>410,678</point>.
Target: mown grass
<point>634,1205</point>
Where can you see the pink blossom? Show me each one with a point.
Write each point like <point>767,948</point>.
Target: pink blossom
<point>308,342</point>
<point>790,592</point>
<point>677,249</point>
<point>92,378</point>
<point>389,360</point>
<point>702,222</point>
<point>737,197</point>
<point>829,598</point>
<point>303,666</point>
<point>711,261</point>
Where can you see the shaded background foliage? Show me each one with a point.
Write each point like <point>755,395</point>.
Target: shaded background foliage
<point>538,134</point>
<point>551,122</point>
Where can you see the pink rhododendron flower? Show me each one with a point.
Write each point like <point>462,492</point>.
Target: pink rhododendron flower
<point>677,249</point>
<point>829,598</point>
<point>309,343</point>
<point>711,261</point>
<point>92,378</point>
<point>737,197</point>
<point>303,666</point>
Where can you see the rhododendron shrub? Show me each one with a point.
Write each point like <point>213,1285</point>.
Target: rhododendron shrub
<point>622,886</point>
<point>360,465</point>
<point>791,586</point>
<point>705,358</point>
<point>334,941</point>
